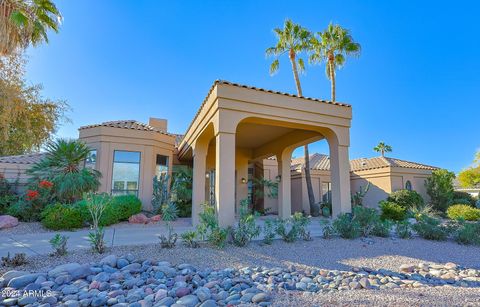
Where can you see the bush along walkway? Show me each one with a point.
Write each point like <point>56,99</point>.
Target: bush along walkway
<point>123,281</point>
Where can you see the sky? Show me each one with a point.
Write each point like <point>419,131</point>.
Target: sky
<point>415,86</point>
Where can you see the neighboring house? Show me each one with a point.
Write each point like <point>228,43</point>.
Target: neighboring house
<point>14,168</point>
<point>240,133</point>
<point>474,191</point>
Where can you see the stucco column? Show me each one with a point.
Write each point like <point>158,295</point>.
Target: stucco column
<point>198,184</point>
<point>340,173</point>
<point>284,186</point>
<point>225,178</point>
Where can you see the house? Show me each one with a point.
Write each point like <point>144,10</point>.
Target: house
<point>239,133</point>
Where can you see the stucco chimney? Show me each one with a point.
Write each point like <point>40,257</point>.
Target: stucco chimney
<point>158,123</point>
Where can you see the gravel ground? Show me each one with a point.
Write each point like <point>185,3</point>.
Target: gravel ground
<point>25,228</point>
<point>326,254</point>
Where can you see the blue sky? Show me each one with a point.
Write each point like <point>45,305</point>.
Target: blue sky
<point>415,86</point>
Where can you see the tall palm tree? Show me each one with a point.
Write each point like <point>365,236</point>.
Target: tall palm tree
<point>382,148</point>
<point>25,22</point>
<point>333,46</point>
<point>292,40</point>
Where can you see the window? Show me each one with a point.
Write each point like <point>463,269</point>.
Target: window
<point>408,185</point>
<point>91,160</point>
<point>126,172</point>
<point>326,192</point>
<point>161,166</point>
<point>250,186</point>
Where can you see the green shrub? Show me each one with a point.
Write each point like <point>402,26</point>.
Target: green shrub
<point>382,228</point>
<point>431,229</point>
<point>189,239</point>
<point>126,206</point>
<point>392,211</point>
<point>119,208</point>
<point>367,218</point>
<point>209,229</point>
<point>246,229</point>
<point>439,187</point>
<point>417,212</point>
<point>402,230</point>
<point>468,233</point>
<point>269,231</point>
<point>62,217</point>
<point>346,227</point>
<point>465,212</point>
<point>465,198</point>
<point>24,211</point>
<point>286,230</point>
<point>406,198</point>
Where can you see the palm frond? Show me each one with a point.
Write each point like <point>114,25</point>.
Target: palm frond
<point>274,66</point>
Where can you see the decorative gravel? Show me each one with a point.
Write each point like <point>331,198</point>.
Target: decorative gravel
<point>25,228</point>
<point>320,272</point>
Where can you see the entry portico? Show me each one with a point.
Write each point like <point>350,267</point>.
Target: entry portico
<point>237,125</point>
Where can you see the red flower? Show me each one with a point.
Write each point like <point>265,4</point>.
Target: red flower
<point>31,195</point>
<point>45,184</point>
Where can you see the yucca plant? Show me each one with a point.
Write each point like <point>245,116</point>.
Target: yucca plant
<point>169,214</point>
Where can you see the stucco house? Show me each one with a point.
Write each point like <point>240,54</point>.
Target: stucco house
<point>239,133</point>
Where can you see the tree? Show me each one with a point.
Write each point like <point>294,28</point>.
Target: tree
<point>292,40</point>
<point>26,22</point>
<point>383,148</point>
<point>62,165</point>
<point>333,46</point>
<point>470,177</point>
<point>27,120</point>
<point>440,189</point>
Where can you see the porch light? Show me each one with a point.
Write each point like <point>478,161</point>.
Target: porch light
<point>207,175</point>
<point>244,180</point>
<point>278,178</point>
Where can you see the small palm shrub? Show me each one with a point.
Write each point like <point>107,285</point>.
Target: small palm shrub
<point>269,231</point>
<point>406,198</point>
<point>392,211</point>
<point>59,245</point>
<point>431,228</point>
<point>246,229</point>
<point>189,239</point>
<point>402,230</point>
<point>465,212</point>
<point>62,217</point>
<point>346,226</point>
<point>209,229</point>
<point>420,211</point>
<point>467,233</point>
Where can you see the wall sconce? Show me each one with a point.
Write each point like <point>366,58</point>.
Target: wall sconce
<point>243,180</point>
<point>207,175</point>
<point>278,178</point>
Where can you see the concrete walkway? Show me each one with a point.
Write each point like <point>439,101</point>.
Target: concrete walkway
<point>115,235</point>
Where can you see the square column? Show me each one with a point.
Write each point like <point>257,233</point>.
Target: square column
<point>284,186</point>
<point>198,184</point>
<point>340,173</point>
<point>225,178</point>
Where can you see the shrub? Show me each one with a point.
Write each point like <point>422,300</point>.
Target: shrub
<point>189,239</point>
<point>209,229</point>
<point>301,222</point>
<point>418,212</point>
<point>96,205</point>
<point>169,214</point>
<point>402,230</point>
<point>440,189</point>
<point>465,212</point>
<point>96,239</point>
<point>62,217</point>
<point>406,198</point>
<point>286,230</point>
<point>24,211</point>
<point>468,233</point>
<point>126,206</point>
<point>112,212</point>
<point>382,228</point>
<point>366,218</point>
<point>392,211</point>
<point>17,260</point>
<point>246,229</point>
<point>431,229</point>
<point>268,231</point>
<point>347,227</point>
<point>327,229</point>
<point>218,237</point>
<point>465,198</point>
<point>59,245</point>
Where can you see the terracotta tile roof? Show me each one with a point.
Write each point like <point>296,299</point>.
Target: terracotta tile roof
<point>224,82</point>
<point>23,159</point>
<point>127,124</point>
<point>322,162</point>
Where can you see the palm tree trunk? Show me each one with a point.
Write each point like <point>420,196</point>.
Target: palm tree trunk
<point>308,178</point>
<point>332,78</point>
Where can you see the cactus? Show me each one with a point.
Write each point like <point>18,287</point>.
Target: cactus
<point>357,197</point>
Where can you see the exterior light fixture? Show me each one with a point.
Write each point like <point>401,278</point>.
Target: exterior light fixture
<point>278,178</point>
<point>244,180</point>
<point>207,175</point>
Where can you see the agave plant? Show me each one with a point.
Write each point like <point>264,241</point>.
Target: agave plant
<point>62,166</point>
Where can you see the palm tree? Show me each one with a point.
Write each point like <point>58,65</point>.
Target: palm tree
<point>292,40</point>
<point>25,22</point>
<point>382,148</point>
<point>63,166</point>
<point>333,46</point>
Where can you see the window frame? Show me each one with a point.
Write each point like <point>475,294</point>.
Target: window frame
<point>126,191</point>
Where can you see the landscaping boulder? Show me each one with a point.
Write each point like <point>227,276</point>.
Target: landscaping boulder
<point>138,219</point>
<point>8,221</point>
<point>156,218</point>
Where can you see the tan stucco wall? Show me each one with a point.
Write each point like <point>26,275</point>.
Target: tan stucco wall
<point>15,174</point>
<point>380,185</point>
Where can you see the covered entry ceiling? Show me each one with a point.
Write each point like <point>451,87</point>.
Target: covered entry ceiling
<point>250,135</point>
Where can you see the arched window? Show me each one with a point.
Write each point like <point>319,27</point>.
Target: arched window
<point>408,185</point>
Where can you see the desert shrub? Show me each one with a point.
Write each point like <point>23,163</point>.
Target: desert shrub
<point>301,222</point>
<point>465,198</point>
<point>7,198</point>
<point>381,228</point>
<point>402,229</point>
<point>62,217</point>
<point>467,233</point>
<point>24,211</point>
<point>126,206</point>
<point>392,211</point>
<point>96,205</point>
<point>346,226</point>
<point>286,230</point>
<point>189,239</point>
<point>169,214</point>
<point>181,191</point>
<point>209,229</point>
<point>246,229</point>
<point>465,212</point>
<point>327,229</point>
<point>59,245</point>
<point>406,198</point>
<point>417,212</point>
<point>440,189</point>
<point>366,218</point>
<point>111,213</point>
<point>268,231</point>
<point>18,259</point>
<point>431,229</point>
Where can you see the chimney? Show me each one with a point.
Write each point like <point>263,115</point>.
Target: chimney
<point>158,123</point>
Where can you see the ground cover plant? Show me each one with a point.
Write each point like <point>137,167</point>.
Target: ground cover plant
<point>465,212</point>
